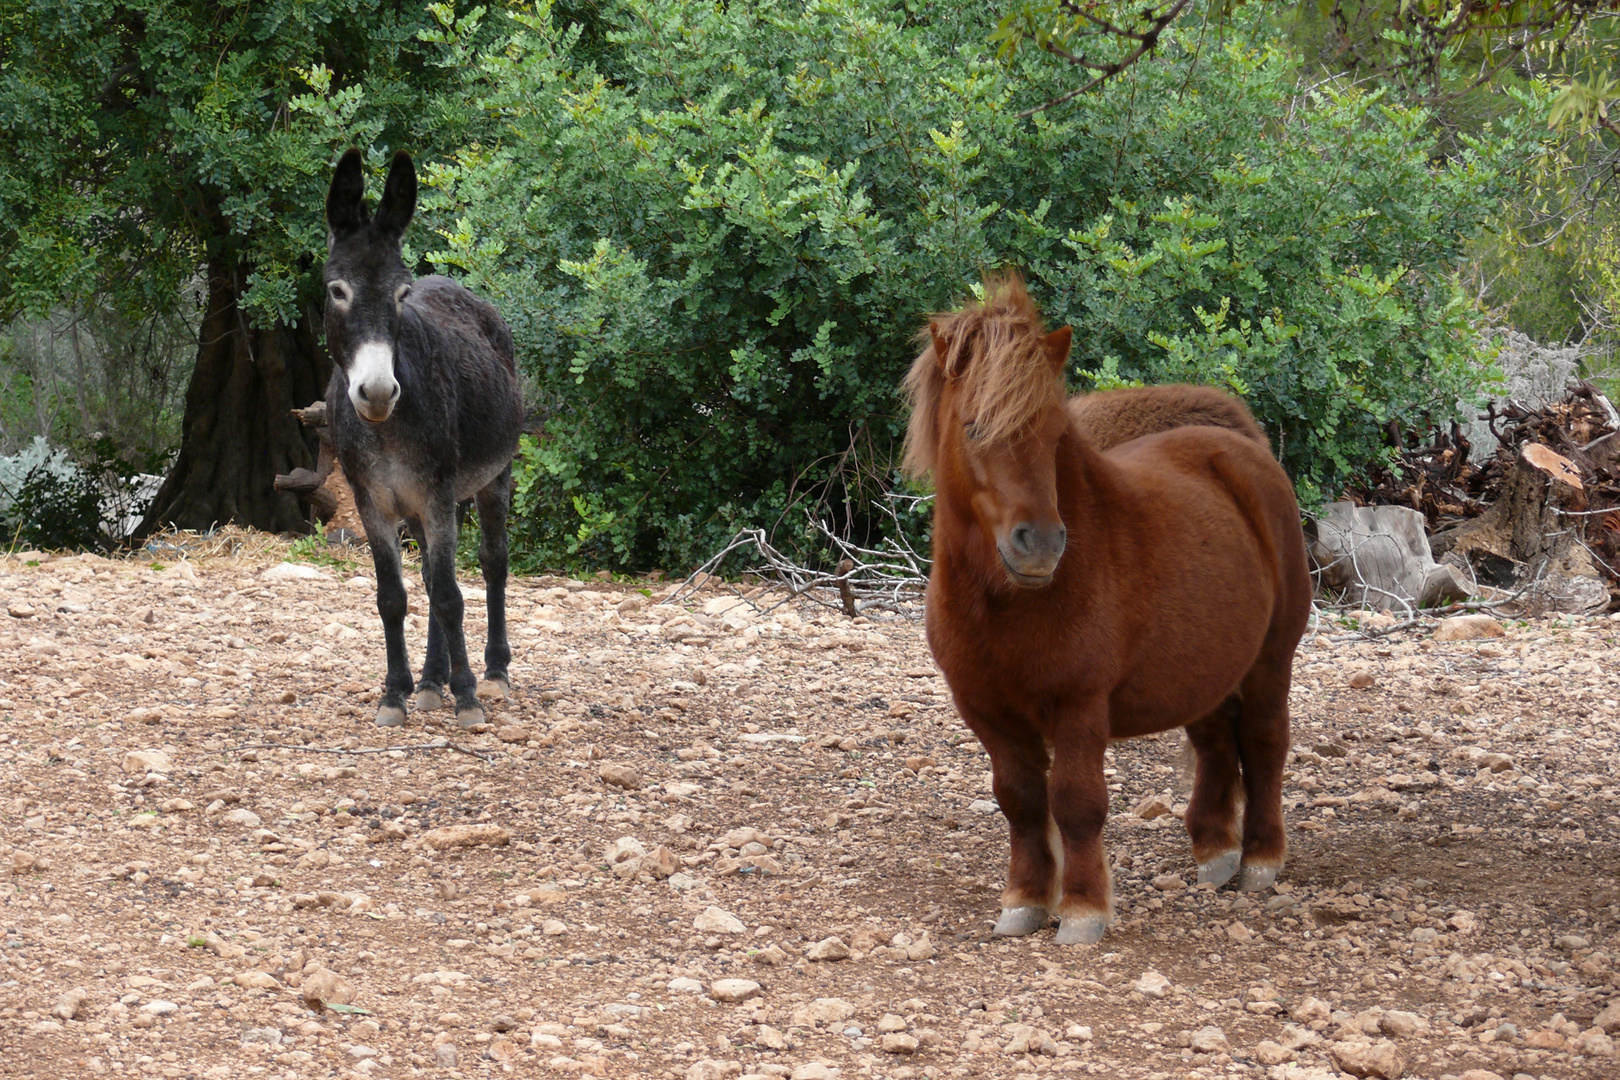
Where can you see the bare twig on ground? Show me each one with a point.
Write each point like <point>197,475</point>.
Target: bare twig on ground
<point>441,744</point>
<point>889,578</point>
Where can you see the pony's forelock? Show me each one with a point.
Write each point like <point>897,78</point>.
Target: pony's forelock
<point>995,353</point>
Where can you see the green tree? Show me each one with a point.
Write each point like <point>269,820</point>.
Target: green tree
<point>717,228</point>
<point>150,140</point>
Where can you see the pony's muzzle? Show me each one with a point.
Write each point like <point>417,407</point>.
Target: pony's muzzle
<point>1031,552</point>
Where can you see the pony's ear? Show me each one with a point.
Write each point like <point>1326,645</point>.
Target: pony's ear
<point>399,197</point>
<point>345,205</point>
<point>941,347</point>
<point>1057,345</point>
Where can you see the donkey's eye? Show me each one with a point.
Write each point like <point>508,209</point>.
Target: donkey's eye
<point>401,293</point>
<point>338,291</point>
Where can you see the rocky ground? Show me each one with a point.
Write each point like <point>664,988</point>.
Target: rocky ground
<point>705,843</point>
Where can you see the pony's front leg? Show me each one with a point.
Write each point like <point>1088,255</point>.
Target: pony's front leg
<point>446,607</point>
<point>382,535</point>
<point>1079,801</point>
<point>1018,764</point>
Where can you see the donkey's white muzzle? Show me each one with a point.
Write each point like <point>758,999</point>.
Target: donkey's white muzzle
<point>373,390</point>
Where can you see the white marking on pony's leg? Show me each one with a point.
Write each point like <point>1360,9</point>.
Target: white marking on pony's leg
<point>1257,878</point>
<point>1220,869</point>
<point>1054,844</point>
<point>1081,929</point>
<point>1019,921</point>
<point>372,370</point>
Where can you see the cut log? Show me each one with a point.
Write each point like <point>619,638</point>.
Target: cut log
<point>1378,556</point>
<point>324,490</point>
<point>1526,533</point>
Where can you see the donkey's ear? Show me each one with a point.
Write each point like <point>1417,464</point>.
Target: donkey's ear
<point>941,347</point>
<point>399,197</point>
<point>1057,346</point>
<point>345,206</point>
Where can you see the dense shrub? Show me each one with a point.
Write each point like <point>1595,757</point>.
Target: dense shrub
<point>46,501</point>
<point>715,229</point>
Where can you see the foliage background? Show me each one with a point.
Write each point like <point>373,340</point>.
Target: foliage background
<point>716,228</point>
<point>718,231</point>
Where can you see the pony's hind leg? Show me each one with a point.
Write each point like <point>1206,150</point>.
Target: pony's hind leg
<point>383,535</point>
<point>492,559</point>
<point>430,689</point>
<point>1212,810</point>
<point>1078,794</point>
<point>1262,741</point>
<point>1018,762</point>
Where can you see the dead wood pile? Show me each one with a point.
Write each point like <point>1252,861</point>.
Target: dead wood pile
<point>1539,518</point>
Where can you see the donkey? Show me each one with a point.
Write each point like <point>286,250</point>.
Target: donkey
<point>425,410</point>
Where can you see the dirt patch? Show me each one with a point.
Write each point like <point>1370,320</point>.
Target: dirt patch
<point>683,801</point>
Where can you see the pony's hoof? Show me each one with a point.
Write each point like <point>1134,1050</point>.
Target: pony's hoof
<point>1258,878</point>
<point>498,689</point>
<point>428,699</point>
<point>1018,921</point>
<point>390,716</point>
<point>470,716</point>
<point>1081,930</point>
<point>1221,869</point>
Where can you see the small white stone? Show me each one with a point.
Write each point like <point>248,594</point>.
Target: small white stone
<point>734,990</point>
<point>715,921</point>
<point>289,571</point>
<point>1152,985</point>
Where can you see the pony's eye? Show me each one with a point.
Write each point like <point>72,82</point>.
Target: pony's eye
<point>970,429</point>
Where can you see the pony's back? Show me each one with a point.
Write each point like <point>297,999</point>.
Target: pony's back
<point>1113,417</point>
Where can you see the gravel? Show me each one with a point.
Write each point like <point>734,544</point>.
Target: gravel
<point>704,841</point>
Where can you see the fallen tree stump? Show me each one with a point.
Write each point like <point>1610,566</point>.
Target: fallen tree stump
<point>324,491</point>
<point>1378,556</point>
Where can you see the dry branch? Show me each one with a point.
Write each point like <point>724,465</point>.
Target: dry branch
<point>889,578</point>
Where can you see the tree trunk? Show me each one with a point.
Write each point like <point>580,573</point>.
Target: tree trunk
<point>239,431</point>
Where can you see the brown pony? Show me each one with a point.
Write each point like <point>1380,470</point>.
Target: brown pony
<point>1180,604</point>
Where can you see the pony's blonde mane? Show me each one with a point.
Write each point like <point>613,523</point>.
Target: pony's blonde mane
<point>995,353</point>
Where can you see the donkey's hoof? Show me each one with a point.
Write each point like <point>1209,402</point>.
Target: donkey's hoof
<point>1221,869</point>
<point>1258,878</point>
<point>390,716</point>
<point>498,689</point>
<point>1081,930</point>
<point>1018,921</point>
<point>429,698</point>
<point>470,716</point>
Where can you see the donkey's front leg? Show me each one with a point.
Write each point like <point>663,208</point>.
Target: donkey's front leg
<point>383,538</point>
<point>1079,800</point>
<point>1018,777</point>
<point>445,605</point>
<point>430,689</point>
